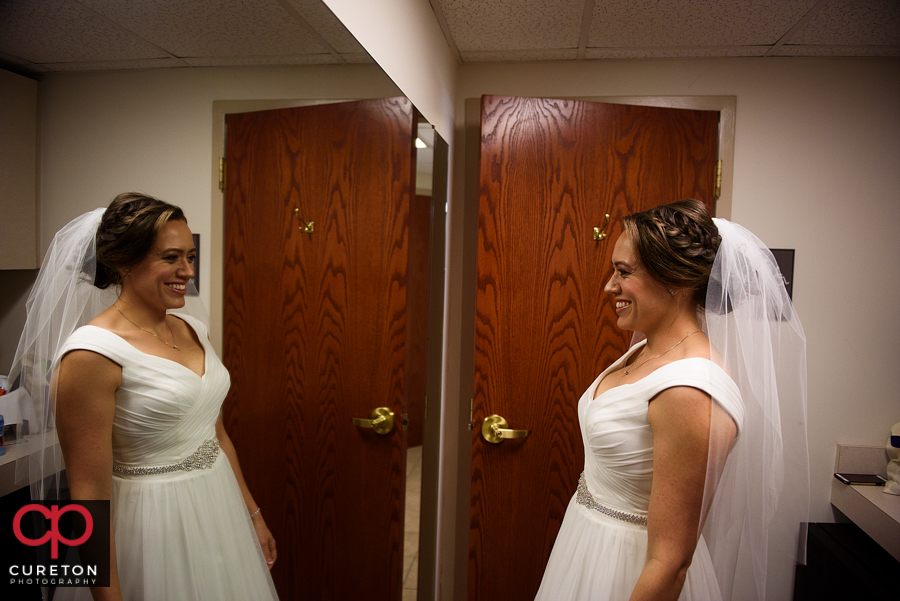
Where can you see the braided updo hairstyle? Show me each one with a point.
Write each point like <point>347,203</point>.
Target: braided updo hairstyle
<point>127,232</point>
<point>676,243</point>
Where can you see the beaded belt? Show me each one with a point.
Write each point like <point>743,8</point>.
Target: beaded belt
<point>201,459</point>
<point>584,497</point>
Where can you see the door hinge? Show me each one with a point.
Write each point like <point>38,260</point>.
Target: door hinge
<point>222,174</point>
<point>471,414</point>
<point>718,191</point>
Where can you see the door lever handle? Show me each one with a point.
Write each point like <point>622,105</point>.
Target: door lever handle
<point>381,420</point>
<point>495,429</point>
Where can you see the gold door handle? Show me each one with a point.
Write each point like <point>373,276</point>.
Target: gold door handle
<point>599,232</point>
<point>381,420</point>
<point>496,429</point>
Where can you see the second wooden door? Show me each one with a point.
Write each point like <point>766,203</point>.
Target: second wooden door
<point>550,172</point>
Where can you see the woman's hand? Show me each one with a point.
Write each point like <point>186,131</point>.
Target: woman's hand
<point>266,540</point>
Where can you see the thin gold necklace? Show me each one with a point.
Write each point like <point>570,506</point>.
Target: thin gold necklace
<point>657,356</point>
<point>174,344</point>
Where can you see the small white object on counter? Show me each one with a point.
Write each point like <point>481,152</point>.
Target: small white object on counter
<point>892,487</point>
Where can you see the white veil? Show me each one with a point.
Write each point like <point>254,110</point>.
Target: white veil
<point>755,519</point>
<point>62,299</point>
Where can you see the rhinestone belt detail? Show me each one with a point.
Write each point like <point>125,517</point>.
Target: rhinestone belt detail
<point>201,459</point>
<point>584,497</point>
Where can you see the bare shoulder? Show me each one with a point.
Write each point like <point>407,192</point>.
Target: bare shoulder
<point>680,409</point>
<point>87,367</point>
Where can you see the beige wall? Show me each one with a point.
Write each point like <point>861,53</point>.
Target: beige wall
<point>152,131</point>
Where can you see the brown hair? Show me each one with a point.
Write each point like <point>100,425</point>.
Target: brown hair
<point>676,243</point>
<point>127,232</point>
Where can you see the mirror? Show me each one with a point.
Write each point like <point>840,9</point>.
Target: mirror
<point>179,95</point>
<point>420,520</point>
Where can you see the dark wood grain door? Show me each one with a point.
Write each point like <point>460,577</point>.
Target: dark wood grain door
<point>420,218</point>
<point>550,170</point>
<point>316,334</point>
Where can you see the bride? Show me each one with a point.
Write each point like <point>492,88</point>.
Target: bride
<point>684,452</point>
<point>136,395</point>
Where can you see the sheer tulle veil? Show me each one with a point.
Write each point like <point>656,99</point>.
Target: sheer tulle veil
<point>62,299</point>
<point>756,508</point>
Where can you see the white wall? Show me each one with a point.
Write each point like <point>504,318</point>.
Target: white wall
<point>817,169</point>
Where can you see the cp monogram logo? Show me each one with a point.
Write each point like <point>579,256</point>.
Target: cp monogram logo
<point>53,535</point>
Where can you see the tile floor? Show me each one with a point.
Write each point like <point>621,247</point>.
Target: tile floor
<point>411,534</point>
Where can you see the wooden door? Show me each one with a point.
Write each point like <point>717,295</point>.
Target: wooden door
<point>549,172</point>
<point>420,219</point>
<point>316,334</point>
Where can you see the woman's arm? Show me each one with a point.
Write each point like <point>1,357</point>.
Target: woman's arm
<point>680,418</point>
<point>266,540</point>
<point>86,384</point>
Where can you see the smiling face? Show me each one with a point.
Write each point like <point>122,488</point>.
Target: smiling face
<point>160,279</point>
<point>642,304</point>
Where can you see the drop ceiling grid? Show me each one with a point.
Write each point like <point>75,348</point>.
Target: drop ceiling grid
<point>213,28</point>
<point>87,35</point>
<point>504,25</point>
<point>692,23</point>
<point>41,32</point>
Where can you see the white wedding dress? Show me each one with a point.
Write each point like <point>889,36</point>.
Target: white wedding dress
<point>180,534</point>
<point>598,557</point>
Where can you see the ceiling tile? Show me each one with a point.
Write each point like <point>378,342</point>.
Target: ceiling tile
<point>42,32</point>
<point>647,23</point>
<point>513,24</point>
<point>853,23</point>
<point>327,25</point>
<point>357,58</point>
<point>213,28</point>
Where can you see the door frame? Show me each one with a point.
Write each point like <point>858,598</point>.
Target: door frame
<point>431,437</point>
<point>455,481</point>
